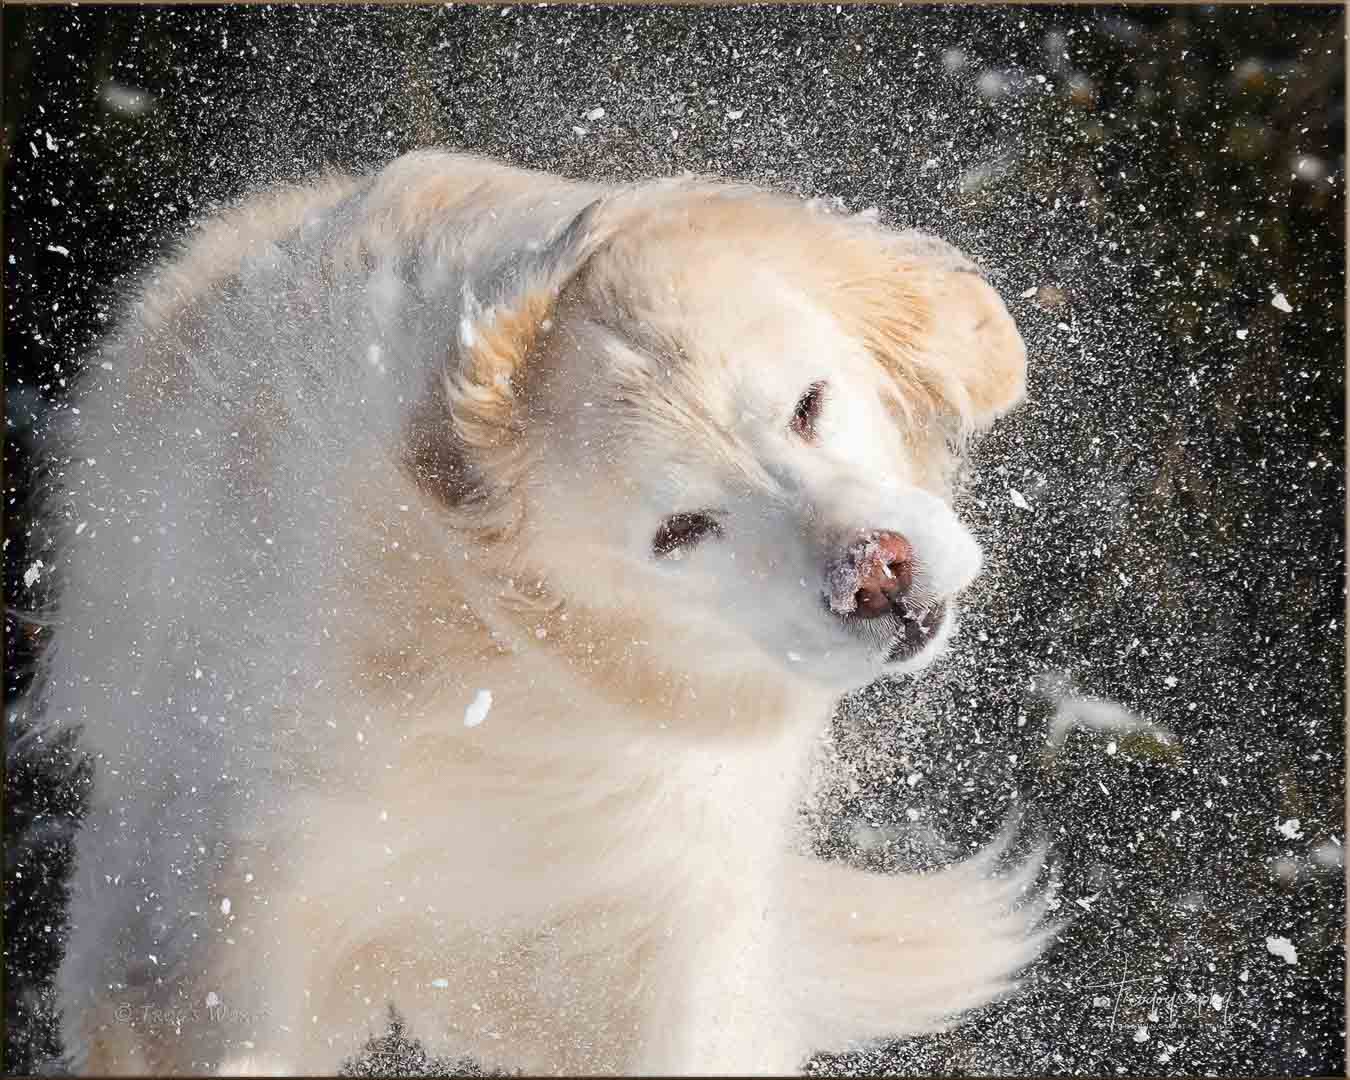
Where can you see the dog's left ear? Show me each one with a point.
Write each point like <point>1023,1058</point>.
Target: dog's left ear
<point>974,342</point>
<point>938,327</point>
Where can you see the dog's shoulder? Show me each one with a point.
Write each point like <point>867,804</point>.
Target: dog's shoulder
<point>218,247</point>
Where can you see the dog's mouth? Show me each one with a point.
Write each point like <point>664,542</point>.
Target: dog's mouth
<point>915,630</point>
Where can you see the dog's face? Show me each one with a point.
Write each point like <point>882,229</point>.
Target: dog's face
<point>740,428</point>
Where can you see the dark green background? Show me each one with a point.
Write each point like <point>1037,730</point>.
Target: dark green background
<point>1184,551</point>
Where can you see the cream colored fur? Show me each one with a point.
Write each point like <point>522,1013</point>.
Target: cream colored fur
<point>363,450</point>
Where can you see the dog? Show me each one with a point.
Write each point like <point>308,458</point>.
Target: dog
<point>462,564</point>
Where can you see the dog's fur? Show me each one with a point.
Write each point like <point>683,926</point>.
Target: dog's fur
<point>369,447</point>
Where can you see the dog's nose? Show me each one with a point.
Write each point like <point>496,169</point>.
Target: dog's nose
<point>872,576</point>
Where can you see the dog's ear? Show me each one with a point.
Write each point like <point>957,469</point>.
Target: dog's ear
<point>974,340</point>
<point>460,435</point>
<point>941,330</point>
<point>487,361</point>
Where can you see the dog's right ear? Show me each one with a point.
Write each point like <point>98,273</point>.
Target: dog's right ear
<point>460,439</point>
<point>487,361</point>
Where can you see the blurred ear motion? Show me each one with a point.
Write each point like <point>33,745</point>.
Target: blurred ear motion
<point>487,362</point>
<point>460,436</point>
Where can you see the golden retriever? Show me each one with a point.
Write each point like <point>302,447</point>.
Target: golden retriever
<point>462,563</point>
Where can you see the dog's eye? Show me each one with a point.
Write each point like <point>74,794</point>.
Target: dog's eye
<point>807,412</point>
<point>680,531</point>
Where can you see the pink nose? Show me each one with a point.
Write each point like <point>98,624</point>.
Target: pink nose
<point>872,576</point>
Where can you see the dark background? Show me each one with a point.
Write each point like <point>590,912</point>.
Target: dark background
<point>1141,181</point>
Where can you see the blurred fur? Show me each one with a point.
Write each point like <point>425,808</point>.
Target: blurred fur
<point>366,447</point>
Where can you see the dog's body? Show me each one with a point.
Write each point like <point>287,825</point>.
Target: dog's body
<point>463,564</point>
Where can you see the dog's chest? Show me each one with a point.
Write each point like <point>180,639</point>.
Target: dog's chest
<point>726,811</point>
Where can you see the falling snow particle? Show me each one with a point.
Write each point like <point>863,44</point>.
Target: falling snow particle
<point>1290,829</point>
<point>31,575</point>
<point>225,906</point>
<point>212,999</point>
<point>441,984</point>
<point>1309,167</point>
<point>1018,499</point>
<point>595,114</point>
<point>1329,855</point>
<point>1095,714</point>
<point>59,249</point>
<point>477,710</point>
<point>1279,301</point>
<point>127,100</point>
<point>1283,948</point>
<point>735,114</point>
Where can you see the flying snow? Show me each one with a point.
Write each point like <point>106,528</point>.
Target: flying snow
<point>1283,948</point>
<point>477,709</point>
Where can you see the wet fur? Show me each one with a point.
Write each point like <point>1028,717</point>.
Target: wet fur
<point>338,471</point>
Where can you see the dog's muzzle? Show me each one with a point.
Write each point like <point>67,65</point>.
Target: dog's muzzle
<point>874,579</point>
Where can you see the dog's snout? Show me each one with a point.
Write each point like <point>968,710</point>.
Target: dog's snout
<point>872,577</point>
<point>885,573</point>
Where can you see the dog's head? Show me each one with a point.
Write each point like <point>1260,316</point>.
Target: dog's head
<point>728,422</point>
